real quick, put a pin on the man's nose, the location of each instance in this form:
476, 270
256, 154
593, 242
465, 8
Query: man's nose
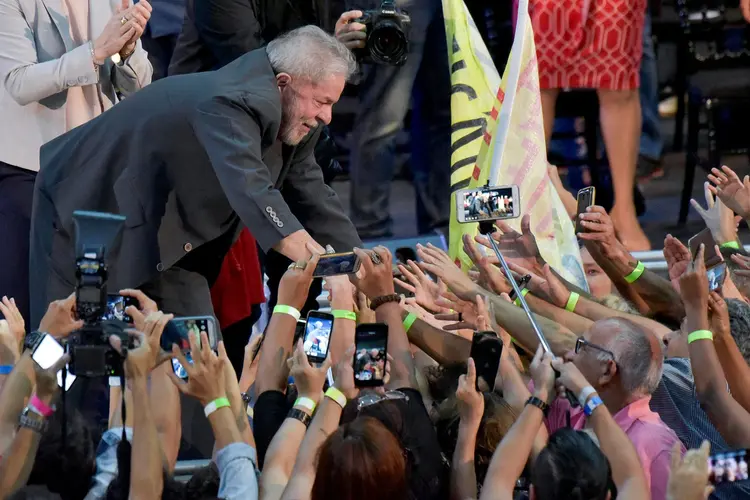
325, 115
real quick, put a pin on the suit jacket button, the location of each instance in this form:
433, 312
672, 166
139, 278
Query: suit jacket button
160, 267
269, 210
280, 224
188, 247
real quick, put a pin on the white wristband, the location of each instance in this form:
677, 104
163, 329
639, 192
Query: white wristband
584, 395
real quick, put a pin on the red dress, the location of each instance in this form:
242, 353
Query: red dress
594, 44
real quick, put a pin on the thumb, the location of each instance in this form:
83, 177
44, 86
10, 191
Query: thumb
557, 363
471, 373
526, 224
124, 5
746, 182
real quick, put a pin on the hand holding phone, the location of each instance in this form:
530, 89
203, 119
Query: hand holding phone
370, 354
179, 330
716, 268
586, 198
317, 339
47, 354
486, 349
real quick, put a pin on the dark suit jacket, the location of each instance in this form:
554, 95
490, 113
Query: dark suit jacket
216, 32
182, 159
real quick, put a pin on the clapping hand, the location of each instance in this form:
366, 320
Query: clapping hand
735, 193
12, 329
137, 17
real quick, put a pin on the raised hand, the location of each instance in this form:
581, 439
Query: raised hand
426, 292
466, 315
349, 32
470, 401
718, 218
694, 283
438, 263
377, 267
137, 16
743, 262
60, 318
678, 258
488, 272
689, 477
12, 329
148, 354
295, 284
735, 193
542, 374
601, 231
309, 379
521, 247
46, 380
206, 380
718, 315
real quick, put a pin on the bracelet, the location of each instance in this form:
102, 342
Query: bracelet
337, 396
384, 299
535, 401
730, 244
215, 405
291, 311
6, 369
307, 403
38, 406
700, 335
633, 276
572, 301
592, 405
518, 301
343, 314
409, 321
299, 415
583, 396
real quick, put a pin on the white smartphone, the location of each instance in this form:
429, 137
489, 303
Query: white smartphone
47, 353
488, 204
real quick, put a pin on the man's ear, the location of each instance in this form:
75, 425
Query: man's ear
283, 80
610, 369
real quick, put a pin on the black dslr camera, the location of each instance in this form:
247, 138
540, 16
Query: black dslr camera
387, 35
91, 355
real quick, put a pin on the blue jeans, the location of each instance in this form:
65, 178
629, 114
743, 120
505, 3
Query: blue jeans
651, 140
385, 94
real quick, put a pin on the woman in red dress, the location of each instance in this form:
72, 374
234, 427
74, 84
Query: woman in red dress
596, 44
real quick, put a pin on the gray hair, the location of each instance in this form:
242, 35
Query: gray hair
311, 53
639, 366
739, 324
618, 304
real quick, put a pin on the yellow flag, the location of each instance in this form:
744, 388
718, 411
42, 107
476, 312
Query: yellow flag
513, 151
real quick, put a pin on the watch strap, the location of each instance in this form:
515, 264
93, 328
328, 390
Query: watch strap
542, 405
29, 422
300, 415
32, 340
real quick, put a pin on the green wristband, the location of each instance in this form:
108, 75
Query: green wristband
518, 301
409, 320
289, 310
344, 314
632, 277
700, 335
730, 244
572, 302
215, 405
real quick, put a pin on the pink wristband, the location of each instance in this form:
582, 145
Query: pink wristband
45, 410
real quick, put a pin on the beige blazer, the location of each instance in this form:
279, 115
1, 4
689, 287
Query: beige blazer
38, 63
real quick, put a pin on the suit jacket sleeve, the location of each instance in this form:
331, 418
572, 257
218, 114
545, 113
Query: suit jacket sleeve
228, 28
26, 79
315, 204
231, 130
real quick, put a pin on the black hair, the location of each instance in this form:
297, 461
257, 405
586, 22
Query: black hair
36, 492
204, 483
66, 471
571, 467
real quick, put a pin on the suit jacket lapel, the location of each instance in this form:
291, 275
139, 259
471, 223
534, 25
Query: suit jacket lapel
56, 11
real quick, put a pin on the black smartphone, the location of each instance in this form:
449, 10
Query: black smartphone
586, 198
336, 263
486, 348
299, 330
317, 336
371, 351
115, 309
522, 283
716, 268
728, 467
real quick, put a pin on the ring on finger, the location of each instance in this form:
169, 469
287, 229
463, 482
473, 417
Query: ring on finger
375, 258
123, 20
460, 317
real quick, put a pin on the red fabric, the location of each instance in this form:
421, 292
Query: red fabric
594, 44
240, 282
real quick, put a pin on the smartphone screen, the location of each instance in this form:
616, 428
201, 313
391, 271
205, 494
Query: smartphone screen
521, 286
371, 350
317, 336
710, 256
178, 331
716, 276
586, 198
486, 348
728, 467
487, 204
336, 264
47, 354
115, 309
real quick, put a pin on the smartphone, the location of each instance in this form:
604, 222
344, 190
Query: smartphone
586, 198
728, 467
178, 331
522, 283
711, 257
487, 204
486, 348
47, 353
299, 330
317, 336
370, 354
115, 309
716, 276
335, 264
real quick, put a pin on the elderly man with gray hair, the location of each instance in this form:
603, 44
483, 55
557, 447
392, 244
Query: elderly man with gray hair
190, 161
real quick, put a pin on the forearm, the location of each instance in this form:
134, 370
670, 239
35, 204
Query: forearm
280, 458
18, 461
514, 320
511, 454
402, 366
166, 411
444, 347
237, 405
463, 474
595, 312
736, 369
273, 371
16, 391
224, 427
134, 73
342, 336
146, 478
627, 292
572, 321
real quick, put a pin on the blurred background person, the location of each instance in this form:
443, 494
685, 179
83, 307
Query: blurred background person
61, 64
161, 34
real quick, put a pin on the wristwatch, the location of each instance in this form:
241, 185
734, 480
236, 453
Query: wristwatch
32, 420
32, 340
245, 398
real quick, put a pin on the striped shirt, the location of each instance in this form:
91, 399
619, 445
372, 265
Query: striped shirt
677, 404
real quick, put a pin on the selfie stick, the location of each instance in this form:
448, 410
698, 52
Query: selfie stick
487, 228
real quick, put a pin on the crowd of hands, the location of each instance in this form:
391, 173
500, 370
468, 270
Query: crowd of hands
450, 306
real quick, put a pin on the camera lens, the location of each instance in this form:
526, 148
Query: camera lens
388, 42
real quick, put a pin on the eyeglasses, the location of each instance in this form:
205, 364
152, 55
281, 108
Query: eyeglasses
371, 398
582, 342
